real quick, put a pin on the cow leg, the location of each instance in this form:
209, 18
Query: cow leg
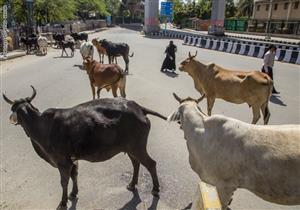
93, 90
98, 92
65, 171
126, 60
109, 59
266, 113
256, 114
114, 89
210, 104
225, 194
74, 175
150, 164
136, 168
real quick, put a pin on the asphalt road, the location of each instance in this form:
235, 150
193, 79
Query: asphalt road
28, 182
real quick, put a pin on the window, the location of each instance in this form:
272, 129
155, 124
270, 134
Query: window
267, 7
275, 6
257, 7
286, 5
296, 5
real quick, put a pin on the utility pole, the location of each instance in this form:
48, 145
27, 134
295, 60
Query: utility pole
4, 31
269, 20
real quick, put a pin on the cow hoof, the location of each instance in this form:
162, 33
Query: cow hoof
131, 187
73, 197
155, 193
61, 207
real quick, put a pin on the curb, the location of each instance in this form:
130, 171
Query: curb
12, 56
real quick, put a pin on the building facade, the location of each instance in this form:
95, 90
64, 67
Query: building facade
276, 16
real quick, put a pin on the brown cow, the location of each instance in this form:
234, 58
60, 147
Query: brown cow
253, 88
105, 76
101, 51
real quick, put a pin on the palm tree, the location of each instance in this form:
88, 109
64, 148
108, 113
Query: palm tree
245, 7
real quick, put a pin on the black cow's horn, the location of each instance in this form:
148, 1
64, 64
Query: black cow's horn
196, 53
7, 99
190, 55
200, 99
177, 97
33, 94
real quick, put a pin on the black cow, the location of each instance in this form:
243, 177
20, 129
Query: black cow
67, 44
114, 50
58, 37
80, 36
30, 42
93, 131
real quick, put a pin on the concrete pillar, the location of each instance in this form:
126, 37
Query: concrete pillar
217, 18
151, 16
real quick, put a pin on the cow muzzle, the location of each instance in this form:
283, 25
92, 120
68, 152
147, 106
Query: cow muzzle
13, 119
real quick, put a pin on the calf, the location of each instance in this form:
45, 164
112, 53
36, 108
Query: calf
80, 36
87, 50
231, 154
67, 44
93, 131
105, 76
43, 44
114, 50
29, 42
58, 38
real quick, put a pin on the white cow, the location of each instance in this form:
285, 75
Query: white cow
43, 44
87, 50
231, 154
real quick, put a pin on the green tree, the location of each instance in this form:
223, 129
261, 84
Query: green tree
245, 8
112, 6
203, 9
47, 11
230, 9
86, 7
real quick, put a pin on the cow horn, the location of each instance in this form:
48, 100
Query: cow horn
190, 55
33, 94
201, 98
177, 97
7, 99
196, 53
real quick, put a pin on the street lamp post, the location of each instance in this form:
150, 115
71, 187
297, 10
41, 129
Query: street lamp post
269, 20
29, 11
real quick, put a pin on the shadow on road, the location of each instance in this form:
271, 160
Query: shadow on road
170, 73
79, 66
74, 204
133, 203
276, 100
188, 206
63, 56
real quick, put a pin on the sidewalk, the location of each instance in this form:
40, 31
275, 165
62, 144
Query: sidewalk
12, 55
20, 53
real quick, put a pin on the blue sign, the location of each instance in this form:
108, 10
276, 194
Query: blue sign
166, 9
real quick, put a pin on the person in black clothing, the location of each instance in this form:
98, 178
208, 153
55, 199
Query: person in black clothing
169, 62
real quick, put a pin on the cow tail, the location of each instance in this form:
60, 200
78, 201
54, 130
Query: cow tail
148, 111
131, 55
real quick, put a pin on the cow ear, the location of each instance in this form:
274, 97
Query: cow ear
174, 117
177, 97
201, 98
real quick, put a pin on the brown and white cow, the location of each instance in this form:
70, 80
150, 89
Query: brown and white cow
105, 76
253, 88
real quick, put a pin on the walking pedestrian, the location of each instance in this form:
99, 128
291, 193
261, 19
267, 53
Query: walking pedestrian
268, 64
170, 61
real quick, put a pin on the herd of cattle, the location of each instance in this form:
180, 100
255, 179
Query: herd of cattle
224, 152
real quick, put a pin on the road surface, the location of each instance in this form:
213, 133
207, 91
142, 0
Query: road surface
28, 182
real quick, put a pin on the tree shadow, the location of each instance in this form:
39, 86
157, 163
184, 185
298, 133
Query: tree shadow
63, 56
276, 100
133, 203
